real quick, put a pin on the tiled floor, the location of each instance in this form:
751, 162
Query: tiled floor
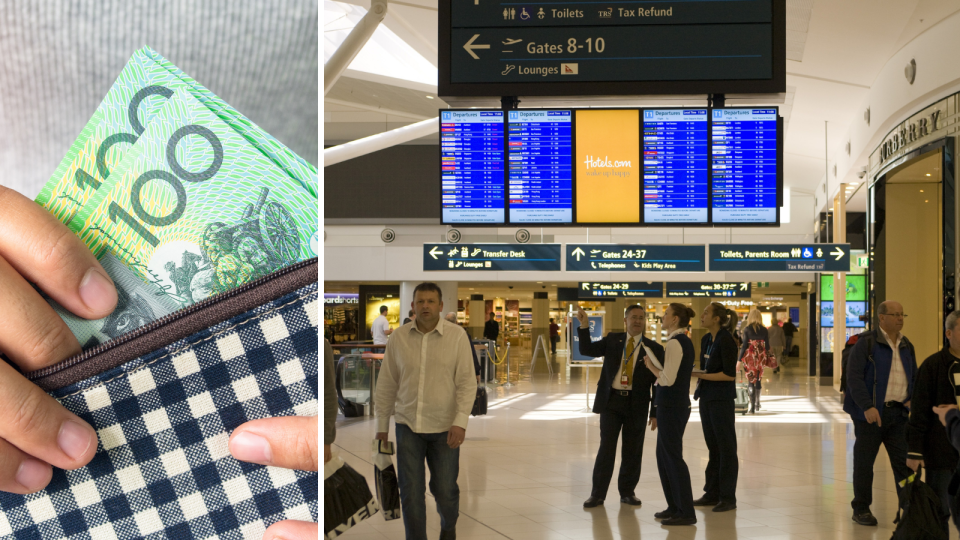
525, 470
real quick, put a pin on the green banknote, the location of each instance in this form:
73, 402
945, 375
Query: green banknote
138, 93
142, 88
196, 210
138, 303
294, 165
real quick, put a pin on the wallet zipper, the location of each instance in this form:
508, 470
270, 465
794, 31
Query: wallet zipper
244, 298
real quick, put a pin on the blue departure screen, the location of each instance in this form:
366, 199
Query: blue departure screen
471, 166
744, 165
540, 166
675, 174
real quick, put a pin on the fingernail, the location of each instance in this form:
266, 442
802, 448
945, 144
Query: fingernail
74, 439
97, 292
32, 474
249, 447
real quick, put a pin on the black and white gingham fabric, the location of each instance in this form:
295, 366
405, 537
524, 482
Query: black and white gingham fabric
163, 468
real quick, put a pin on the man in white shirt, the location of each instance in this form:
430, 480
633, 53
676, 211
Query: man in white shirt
381, 328
427, 382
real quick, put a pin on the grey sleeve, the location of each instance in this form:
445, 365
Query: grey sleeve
329, 395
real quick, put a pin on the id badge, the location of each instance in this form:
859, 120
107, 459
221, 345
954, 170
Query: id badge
623, 379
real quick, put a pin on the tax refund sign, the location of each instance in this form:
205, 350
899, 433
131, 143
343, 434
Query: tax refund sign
492, 257
780, 257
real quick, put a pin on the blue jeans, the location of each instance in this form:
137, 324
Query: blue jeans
444, 464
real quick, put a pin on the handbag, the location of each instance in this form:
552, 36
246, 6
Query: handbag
164, 399
385, 479
480, 403
770, 361
346, 498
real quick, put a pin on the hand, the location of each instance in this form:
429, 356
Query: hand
942, 411
288, 442
695, 374
455, 436
582, 317
478, 378
381, 435
653, 424
739, 366
327, 454
907, 404
873, 416
647, 362
914, 463
37, 432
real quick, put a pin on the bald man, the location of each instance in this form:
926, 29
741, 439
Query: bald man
880, 376
452, 317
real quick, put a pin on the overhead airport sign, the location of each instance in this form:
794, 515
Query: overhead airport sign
633, 258
589, 290
780, 257
492, 257
585, 48
709, 289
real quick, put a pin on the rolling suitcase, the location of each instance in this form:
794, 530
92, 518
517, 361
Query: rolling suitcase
742, 401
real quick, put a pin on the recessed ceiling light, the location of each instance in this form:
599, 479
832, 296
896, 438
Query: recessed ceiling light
921, 191
429, 97
928, 174
926, 201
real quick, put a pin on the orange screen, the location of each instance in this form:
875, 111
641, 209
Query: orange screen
609, 166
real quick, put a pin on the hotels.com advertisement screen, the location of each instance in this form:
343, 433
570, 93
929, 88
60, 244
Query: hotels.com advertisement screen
609, 166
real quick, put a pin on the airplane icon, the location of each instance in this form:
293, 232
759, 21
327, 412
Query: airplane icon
509, 41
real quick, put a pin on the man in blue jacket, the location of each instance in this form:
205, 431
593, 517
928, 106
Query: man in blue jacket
880, 374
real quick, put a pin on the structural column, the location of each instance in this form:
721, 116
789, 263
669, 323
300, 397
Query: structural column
541, 327
839, 289
613, 315
478, 317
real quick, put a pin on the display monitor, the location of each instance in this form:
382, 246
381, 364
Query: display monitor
675, 183
745, 168
539, 166
854, 310
856, 287
609, 168
471, 167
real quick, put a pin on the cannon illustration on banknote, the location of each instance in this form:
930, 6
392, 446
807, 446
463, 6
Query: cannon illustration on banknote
265, 239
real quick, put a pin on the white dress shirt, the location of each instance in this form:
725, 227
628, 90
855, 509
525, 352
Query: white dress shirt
637, 347
380, 327
426, 380
897, 384
672, 358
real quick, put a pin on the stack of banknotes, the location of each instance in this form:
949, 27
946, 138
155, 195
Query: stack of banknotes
179, 196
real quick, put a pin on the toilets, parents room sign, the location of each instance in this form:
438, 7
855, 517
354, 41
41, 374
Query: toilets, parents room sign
492, 257
562, 47
779, 257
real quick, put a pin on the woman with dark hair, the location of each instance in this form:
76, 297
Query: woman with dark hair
753, 351
717, 391
673, 412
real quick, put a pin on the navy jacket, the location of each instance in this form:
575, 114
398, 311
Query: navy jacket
611, 348
934, 385
721, 358
867, 380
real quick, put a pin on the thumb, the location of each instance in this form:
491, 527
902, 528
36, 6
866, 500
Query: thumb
290, 442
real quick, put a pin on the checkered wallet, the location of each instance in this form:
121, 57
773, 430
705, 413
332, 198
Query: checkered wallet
164, 400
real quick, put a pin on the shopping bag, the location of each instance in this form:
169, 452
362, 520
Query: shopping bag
385, 478
480, 403
770, 361
346, 498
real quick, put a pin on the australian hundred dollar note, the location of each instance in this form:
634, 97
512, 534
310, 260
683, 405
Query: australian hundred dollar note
197, 210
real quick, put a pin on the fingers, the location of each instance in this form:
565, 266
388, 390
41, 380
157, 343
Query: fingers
20, 473
32, 335
36, 424
47, 253
289, 442
292, 530
382, 436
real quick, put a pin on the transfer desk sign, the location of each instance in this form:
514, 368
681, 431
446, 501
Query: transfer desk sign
492, 257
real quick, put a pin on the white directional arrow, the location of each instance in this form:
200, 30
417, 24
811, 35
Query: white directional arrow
434, 252
743, 286
586, 286
469, 47
578, 253
838, 253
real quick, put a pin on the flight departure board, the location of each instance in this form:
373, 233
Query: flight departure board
675, 173
539, 166
471, 166
745, 168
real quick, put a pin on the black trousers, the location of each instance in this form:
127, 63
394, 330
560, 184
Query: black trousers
939, 480
674, 475
719, 429
618, 417
892, 434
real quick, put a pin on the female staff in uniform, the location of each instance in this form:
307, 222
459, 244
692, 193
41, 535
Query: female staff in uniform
673, 412
717, 391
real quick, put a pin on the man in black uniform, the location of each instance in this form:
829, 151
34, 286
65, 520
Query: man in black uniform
622, 401
491, 329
